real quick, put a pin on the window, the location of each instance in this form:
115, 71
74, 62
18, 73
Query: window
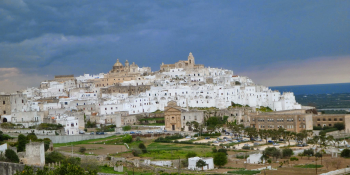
3, 102
329, 119
318, 119
330, 124
324, 119
4, 112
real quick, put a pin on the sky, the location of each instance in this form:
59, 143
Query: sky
276, 43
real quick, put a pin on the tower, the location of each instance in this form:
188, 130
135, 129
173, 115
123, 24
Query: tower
190, 60
127, 68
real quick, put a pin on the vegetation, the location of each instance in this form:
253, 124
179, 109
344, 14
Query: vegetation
54, 156
345, 153
220, 159
82, 150
7, 125
4, 137
143, 148
22, 141
308, 166
126, 128
127, 138
90, 124
293, 159
200, 163
244, 172
287, 152
84, 141
11, 156
65, 169
49, 126
169, 139
264, 109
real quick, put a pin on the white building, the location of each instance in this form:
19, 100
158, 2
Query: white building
208, 160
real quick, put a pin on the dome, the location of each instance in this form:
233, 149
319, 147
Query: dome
118, 63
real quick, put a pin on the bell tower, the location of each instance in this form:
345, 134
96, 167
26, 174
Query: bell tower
190, 60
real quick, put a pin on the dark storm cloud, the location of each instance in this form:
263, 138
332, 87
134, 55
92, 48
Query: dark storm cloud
75, 37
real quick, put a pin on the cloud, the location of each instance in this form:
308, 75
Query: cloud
322, 70
12, 80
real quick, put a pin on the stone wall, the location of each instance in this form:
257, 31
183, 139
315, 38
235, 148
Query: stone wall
72, 138
7, 168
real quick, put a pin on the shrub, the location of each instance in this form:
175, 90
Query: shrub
293, 159
339, 126
246, 147
215, 150
136, 152
82, 150
11, 156
287, 152
143, 148
126, 128
138, 139
223, 150
345, 153
127, 138
54, 156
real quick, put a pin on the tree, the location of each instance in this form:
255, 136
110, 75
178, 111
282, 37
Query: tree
191, 154
263, 134
339, 126
127, 138
200, 163
287, 152
301, 155
143, 148
251, 132
32, 137
309, 152
220, 159
11, 156
22, 141
223, 150
345, 153
318, 154
82, 150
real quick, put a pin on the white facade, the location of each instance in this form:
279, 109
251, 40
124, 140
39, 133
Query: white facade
193, 160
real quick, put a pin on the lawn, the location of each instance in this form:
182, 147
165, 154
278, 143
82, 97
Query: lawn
308, 166
83, 141
174, 151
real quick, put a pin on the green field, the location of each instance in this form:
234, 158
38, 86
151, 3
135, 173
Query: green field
308, 166
83, 141
174, 151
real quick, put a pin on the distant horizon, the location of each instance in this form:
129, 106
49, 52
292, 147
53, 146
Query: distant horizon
310, 84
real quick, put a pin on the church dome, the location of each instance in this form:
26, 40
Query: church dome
118, 63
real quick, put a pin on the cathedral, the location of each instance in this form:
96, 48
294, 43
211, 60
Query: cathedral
189, 64
119, 68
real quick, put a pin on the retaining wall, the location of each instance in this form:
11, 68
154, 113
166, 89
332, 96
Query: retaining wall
7, 168
71, 138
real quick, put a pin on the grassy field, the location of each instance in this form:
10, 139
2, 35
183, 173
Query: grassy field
84, 141
174, 151
308, 166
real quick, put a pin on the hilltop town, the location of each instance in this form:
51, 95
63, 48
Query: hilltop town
181, 102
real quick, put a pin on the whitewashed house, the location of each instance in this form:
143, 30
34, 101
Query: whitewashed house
208, 160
